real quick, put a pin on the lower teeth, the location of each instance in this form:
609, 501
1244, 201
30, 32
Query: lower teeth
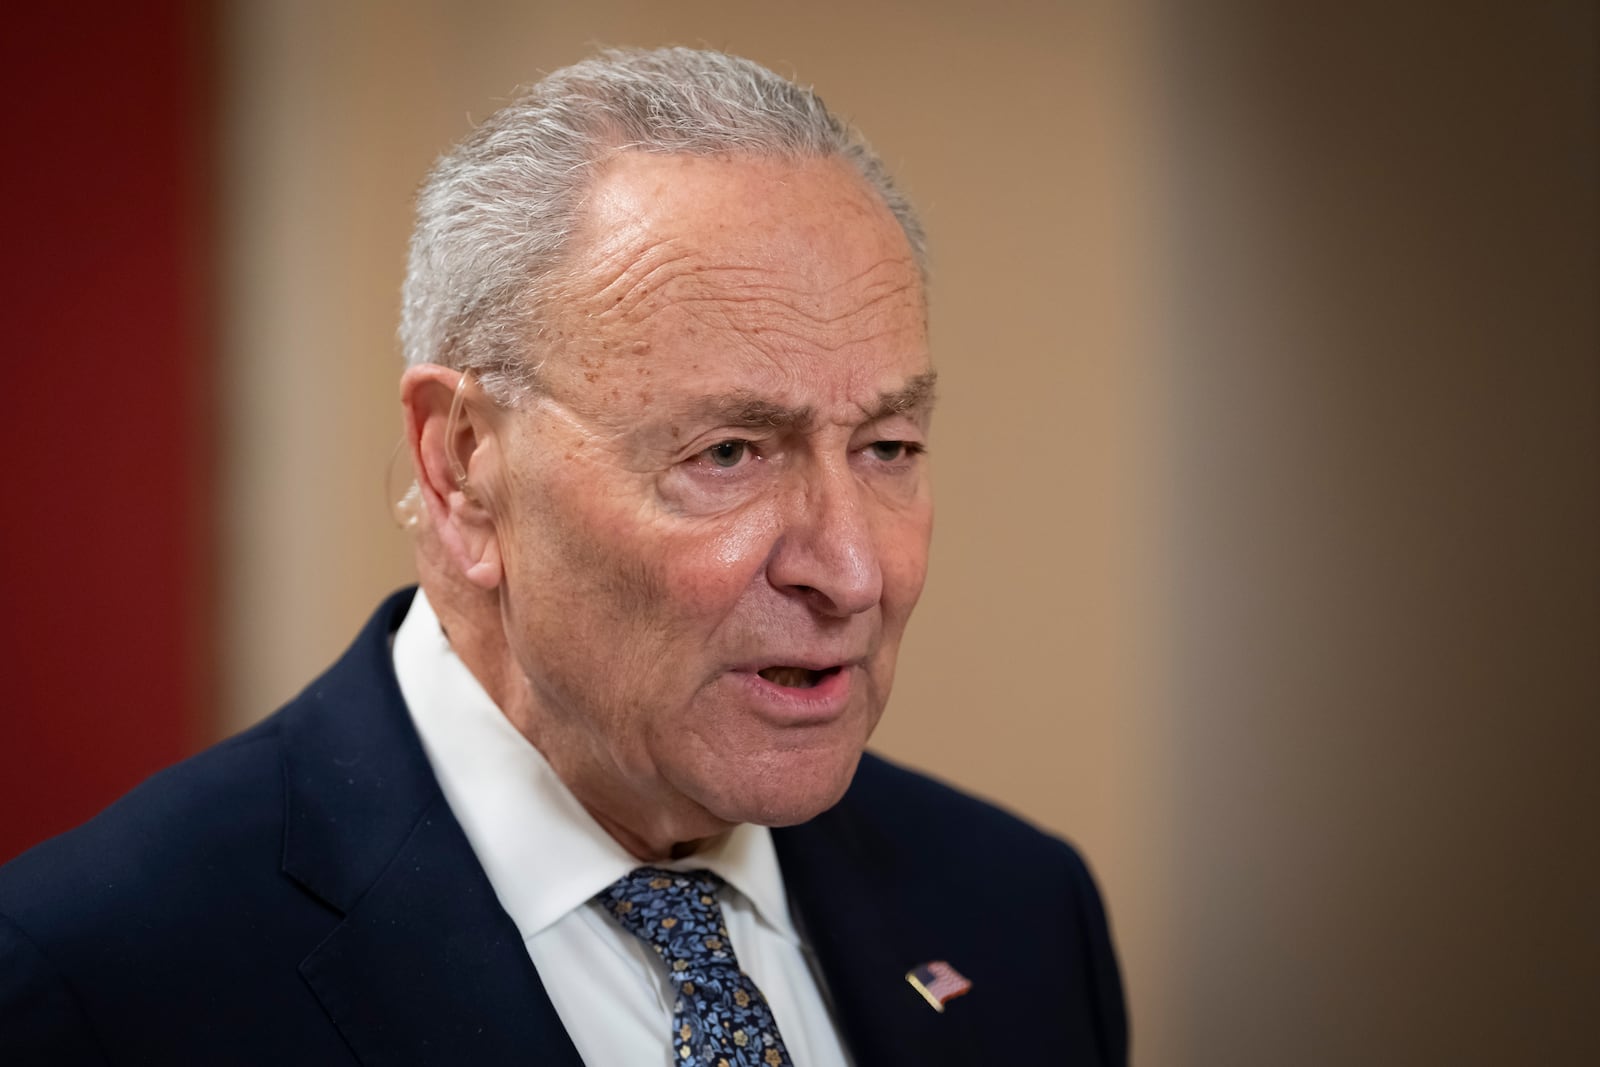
791, 677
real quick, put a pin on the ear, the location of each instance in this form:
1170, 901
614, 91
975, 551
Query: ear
451, 463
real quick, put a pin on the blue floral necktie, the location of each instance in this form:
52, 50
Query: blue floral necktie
720, 1018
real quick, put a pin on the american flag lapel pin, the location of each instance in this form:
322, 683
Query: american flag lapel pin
938, 982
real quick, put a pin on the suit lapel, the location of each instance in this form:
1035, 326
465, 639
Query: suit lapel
845, 887
425, 967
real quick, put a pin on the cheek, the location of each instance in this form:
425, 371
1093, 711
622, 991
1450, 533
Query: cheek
711, 565
903, 555
571, 553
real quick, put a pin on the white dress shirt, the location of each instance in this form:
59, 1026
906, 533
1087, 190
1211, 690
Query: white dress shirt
546, 858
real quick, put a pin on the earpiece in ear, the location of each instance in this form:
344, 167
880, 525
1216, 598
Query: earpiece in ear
456, 403
405, 505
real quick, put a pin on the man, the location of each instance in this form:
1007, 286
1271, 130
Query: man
596, 793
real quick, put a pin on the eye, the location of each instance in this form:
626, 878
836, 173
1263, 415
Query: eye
727, 454
890, 451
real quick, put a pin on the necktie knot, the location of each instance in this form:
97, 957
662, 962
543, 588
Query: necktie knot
677, 914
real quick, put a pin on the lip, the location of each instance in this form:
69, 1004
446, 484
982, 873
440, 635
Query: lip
786, 706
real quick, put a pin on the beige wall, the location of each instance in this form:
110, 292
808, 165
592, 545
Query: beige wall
1385, 355
1264, 566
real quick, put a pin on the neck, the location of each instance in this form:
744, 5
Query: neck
647, 851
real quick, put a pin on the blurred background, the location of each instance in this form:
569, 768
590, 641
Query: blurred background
1267, 566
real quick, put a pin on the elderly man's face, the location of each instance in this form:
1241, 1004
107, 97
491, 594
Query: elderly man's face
715, 518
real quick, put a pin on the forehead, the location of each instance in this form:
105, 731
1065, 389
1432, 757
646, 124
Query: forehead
728, 271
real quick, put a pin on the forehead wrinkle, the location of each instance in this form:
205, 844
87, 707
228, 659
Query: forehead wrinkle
757, 326
752, 290
780, 347
642, 273
856, 295
899, 278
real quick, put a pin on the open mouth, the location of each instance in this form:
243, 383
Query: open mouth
795, 677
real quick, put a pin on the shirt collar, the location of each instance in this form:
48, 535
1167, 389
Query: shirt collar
543, 852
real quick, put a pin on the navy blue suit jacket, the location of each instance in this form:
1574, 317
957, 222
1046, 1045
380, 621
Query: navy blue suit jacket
302, 894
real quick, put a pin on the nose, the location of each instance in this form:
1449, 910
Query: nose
827, 554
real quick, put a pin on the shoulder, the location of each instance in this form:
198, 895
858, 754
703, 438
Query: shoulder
927, 844
223, 789
219, 815
187, 814
973, 883
920, 816
95, 922
180, 892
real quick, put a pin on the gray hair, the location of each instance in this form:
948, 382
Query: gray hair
496, 214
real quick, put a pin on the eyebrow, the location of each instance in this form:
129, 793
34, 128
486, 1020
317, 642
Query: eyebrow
917, 393
743, 409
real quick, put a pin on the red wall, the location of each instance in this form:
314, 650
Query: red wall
105, 545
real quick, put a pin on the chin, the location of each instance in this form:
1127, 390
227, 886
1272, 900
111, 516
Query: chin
784, 789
